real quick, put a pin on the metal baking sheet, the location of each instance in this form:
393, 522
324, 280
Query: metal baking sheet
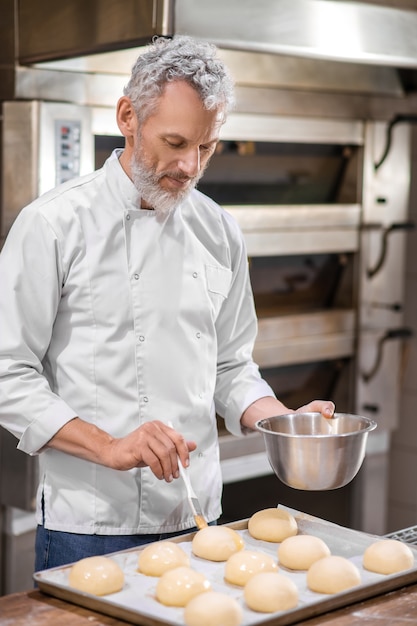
137, 603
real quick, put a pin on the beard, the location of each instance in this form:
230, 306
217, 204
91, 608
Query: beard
147, 182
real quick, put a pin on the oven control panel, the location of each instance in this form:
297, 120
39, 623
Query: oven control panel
67, 149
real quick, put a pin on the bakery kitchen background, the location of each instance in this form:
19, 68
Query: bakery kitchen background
317, 164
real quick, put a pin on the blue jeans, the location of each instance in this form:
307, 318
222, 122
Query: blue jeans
54, 548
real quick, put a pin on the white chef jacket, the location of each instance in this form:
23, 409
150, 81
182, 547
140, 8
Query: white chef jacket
116, 315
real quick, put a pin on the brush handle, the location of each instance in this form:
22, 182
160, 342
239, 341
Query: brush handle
184, 475
192, 497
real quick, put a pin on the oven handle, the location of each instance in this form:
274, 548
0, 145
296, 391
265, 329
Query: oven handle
393, 333
384, 243
401, 117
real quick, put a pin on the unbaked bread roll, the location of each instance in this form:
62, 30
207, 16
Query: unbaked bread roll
388, 556
98, 575
213, 608
178, 586
244, 564
216, 543
332, 574
157, 558
273, 525
301, 551
268, 592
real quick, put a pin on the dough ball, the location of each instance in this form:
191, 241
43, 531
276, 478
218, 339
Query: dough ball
178, 586
332, 574
301, 551
273, 525
157, 558
388, 556
216, 543
213, 608
244, 564
98, 575
268, 592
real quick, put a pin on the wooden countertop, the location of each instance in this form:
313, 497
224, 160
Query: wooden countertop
38, 609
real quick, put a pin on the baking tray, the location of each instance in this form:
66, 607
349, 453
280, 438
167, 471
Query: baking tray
136, 602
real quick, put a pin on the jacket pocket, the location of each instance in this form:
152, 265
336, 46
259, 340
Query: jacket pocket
219, 280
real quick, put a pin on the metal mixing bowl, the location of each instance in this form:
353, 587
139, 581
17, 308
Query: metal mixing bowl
309, 452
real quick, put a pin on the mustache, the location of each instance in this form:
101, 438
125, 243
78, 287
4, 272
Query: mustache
176, 175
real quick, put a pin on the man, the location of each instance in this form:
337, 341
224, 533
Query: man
126, 306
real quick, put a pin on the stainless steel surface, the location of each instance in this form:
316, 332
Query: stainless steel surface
47, 30
18, 482
259, 69
343, 31
290, 46
311, 453
296, 218
322, 104
18, 543
18, 474
242, 458
314, 229
263, 84
29, 151
254, 127
385, 202
270, 70
332, 30
292, 129
305, 337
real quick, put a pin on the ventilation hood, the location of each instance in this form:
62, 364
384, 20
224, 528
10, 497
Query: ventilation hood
331, 46
323, 29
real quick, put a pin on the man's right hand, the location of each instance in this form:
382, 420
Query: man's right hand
153, 444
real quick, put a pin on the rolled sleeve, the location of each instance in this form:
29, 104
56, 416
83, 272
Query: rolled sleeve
39, 432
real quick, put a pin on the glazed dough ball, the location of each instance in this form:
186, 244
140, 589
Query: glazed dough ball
178, 586
301, 551
332, 574
273, 525
268, 592
157, 558
388, 556
244, 564
216, 543
212, 609
99, 575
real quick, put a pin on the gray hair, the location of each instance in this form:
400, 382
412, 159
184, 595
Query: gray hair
182, 58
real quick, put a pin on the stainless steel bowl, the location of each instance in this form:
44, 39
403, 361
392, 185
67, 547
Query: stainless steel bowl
309, 452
